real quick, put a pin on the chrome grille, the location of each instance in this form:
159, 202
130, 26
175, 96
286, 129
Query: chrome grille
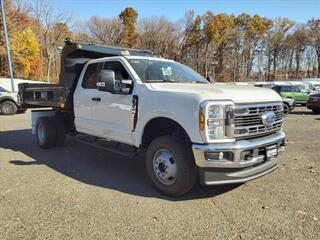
248, 122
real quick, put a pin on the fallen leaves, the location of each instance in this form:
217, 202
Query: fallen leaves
212, 203
301, 212
156, 217
311, 170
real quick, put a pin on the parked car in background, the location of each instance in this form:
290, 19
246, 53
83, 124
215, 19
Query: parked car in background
297, 92
314, 103
288, 103
8, 103
313, 86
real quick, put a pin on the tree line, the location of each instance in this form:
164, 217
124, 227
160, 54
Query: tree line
225, 47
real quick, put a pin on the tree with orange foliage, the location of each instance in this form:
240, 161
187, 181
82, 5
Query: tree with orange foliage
128, 35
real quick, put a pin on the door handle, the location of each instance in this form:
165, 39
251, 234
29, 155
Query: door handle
96, 99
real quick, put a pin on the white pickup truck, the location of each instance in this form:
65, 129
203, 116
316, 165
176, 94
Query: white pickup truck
8, 103
188, 128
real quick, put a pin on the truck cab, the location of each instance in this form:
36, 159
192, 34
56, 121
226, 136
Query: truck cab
187, 128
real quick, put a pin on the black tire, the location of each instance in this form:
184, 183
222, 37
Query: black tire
46, 132
316, 111
21, 110
8, 108
61, 131
286, 109
186, 170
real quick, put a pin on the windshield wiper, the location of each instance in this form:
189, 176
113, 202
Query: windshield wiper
173, 81
157, 81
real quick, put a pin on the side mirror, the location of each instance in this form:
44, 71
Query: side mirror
106, 81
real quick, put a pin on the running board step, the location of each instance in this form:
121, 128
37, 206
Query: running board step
110, 146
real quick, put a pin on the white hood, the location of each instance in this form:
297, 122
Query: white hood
235, 93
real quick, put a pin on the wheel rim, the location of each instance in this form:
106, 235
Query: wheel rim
7, 108
165, 167
41, 133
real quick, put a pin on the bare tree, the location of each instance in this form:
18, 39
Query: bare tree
275, 42
104, 30
314, 25
159, 35
301, 40
52, 29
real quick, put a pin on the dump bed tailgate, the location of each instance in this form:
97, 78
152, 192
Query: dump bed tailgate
37, 95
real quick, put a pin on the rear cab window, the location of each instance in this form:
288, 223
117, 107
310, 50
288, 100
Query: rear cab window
91, 75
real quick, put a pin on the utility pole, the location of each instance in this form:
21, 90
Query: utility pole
7, 44
259, 64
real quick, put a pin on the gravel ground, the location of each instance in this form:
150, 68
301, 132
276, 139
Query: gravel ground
79, 192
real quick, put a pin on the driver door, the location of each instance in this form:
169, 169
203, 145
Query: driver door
111, 112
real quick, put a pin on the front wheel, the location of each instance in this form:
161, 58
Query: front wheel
170, 165
8, 108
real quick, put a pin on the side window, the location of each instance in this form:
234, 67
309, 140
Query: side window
296, 89
91, 75
286, 89
119, 71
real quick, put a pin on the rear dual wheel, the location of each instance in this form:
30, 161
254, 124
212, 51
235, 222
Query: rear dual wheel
50, 132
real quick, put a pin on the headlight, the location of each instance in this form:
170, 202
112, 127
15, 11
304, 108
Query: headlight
212, 120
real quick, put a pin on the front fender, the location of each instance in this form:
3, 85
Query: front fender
8, 98
185, 113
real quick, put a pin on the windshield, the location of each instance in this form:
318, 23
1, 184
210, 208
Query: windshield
164, 71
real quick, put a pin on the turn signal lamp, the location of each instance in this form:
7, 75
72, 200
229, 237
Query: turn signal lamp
62, 105
201, 120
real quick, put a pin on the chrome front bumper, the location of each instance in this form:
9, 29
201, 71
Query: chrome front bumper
249, 159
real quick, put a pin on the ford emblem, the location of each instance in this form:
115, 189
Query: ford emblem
268, 118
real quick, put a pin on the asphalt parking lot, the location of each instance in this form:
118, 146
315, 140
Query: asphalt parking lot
79, 192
